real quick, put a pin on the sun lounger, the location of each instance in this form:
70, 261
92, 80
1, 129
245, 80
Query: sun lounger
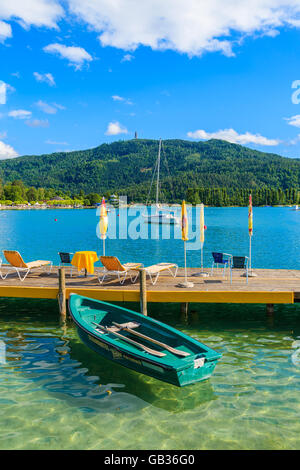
3, 276
154, 271
16, 262
113, 266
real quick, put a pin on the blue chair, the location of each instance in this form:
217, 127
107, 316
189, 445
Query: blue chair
222, 259
65, 258
239, 262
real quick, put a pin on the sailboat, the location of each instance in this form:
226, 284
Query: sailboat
159, 217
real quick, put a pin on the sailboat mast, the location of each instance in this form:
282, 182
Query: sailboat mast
158, 167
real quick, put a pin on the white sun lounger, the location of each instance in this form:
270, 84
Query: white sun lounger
2, 275
154, 271
113, 266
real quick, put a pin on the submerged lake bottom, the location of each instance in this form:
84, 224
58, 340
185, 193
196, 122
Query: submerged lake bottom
55, 393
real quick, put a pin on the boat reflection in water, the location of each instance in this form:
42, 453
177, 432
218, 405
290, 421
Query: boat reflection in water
138, 388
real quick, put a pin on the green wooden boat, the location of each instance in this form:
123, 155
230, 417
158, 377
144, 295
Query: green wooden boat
141, 343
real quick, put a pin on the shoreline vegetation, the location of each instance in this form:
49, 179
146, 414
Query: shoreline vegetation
45, 206
16, 195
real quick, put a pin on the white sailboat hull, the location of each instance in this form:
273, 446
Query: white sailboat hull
161, 219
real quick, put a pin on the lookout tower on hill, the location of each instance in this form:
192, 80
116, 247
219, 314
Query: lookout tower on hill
135, 135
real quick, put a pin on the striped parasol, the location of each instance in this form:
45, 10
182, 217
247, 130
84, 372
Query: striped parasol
202, 238
250, 230
250, 217
103, 223
184, 223
184, 236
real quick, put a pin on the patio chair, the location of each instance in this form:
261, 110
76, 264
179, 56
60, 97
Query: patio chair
222, 259
112, 266
154, 271
239, 262
65, 258
16, 261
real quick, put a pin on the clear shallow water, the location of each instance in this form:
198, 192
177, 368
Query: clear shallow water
55, 393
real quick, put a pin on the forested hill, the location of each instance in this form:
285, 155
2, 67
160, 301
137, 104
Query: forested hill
127, 167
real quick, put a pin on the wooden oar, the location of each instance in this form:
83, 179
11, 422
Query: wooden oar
152, 340
135, 343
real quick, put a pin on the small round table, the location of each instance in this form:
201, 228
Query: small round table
85, 260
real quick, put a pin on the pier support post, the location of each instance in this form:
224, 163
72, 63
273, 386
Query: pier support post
184, 308
143, 291
62, 300
270, 309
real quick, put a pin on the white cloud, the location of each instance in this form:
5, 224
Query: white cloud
232, 136
59, 106
45, 107
121, 98
38, 123
294, 120
294, 141
77, 56
4, 89
44, 77
2, 92
115, 128
118, 98
20, 114
5, 31
32, 12
127, 58
192, 26
53, 142
6, 151
49, 108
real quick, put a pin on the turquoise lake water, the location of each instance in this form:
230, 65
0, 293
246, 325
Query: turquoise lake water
57, 394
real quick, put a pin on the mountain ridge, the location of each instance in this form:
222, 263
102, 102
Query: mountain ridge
127, 166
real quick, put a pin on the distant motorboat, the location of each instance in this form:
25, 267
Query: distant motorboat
296, 208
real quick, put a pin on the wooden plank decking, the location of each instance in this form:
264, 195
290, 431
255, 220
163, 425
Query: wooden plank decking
271, 286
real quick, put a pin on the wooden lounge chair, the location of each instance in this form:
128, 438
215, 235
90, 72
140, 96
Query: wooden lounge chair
112, 265
154, 271
16, 262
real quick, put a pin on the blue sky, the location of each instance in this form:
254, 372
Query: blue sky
76, 74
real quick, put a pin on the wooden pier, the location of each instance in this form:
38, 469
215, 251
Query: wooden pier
270, 286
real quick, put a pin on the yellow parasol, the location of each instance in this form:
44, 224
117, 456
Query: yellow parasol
184, 236
250, 230
184, 222
202, 226
202, 237
250, 217
103, 223
250, 226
